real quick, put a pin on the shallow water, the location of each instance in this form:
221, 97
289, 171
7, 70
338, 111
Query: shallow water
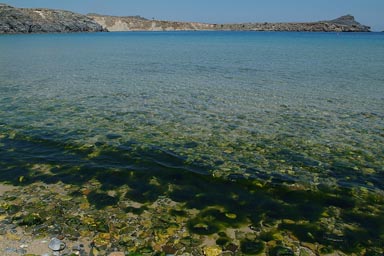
251, 113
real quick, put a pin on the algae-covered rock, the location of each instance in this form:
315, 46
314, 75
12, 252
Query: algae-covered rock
102, 239
249, 247
212, 251
31, 219
230, 215
281, 251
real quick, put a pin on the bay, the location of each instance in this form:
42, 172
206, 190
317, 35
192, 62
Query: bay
237, 111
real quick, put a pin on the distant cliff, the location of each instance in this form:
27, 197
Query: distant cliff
137, 23
134, 23
22, 20
25, 20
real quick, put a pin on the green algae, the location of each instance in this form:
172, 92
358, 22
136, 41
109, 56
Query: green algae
326, 250
12, 208
222, 241
31, 220
266, 236
249, 247
249, 198
203, 227
135, 210
309, 232
101, 200
281, 251
373, 253
180, 213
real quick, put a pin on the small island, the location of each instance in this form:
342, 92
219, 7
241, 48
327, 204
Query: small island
40, 20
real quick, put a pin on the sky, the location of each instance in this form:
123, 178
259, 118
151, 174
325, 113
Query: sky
367, 12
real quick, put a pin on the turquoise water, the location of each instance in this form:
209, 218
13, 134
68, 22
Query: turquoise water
279, 110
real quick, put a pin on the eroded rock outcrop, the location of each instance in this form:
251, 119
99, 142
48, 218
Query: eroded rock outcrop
25, 20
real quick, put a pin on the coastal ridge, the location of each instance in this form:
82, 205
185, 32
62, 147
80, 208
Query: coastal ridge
40, 20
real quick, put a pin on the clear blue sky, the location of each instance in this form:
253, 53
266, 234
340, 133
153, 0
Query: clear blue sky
367, 12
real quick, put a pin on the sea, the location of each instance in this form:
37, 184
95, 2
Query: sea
263, 127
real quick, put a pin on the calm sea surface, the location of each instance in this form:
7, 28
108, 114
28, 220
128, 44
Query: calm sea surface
202, 111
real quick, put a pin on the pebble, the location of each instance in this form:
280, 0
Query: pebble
21, 251
14, 250
306, 252
116, 254
56, 244
94, 252
78, 247
212, 251
10, 250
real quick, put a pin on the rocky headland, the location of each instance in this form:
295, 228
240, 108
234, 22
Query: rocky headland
27, 20
345, 23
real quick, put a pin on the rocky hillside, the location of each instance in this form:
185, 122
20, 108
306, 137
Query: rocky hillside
345, 23
22, 20
137, 23
134, 23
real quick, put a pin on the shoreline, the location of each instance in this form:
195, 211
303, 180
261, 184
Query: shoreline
34, 214
192, 31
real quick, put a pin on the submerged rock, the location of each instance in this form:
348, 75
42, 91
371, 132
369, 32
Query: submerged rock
249, 247
281, 251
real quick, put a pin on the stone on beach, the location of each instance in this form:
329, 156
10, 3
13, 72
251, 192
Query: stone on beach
56, 244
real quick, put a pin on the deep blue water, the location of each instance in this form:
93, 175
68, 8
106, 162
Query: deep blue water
268, 126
